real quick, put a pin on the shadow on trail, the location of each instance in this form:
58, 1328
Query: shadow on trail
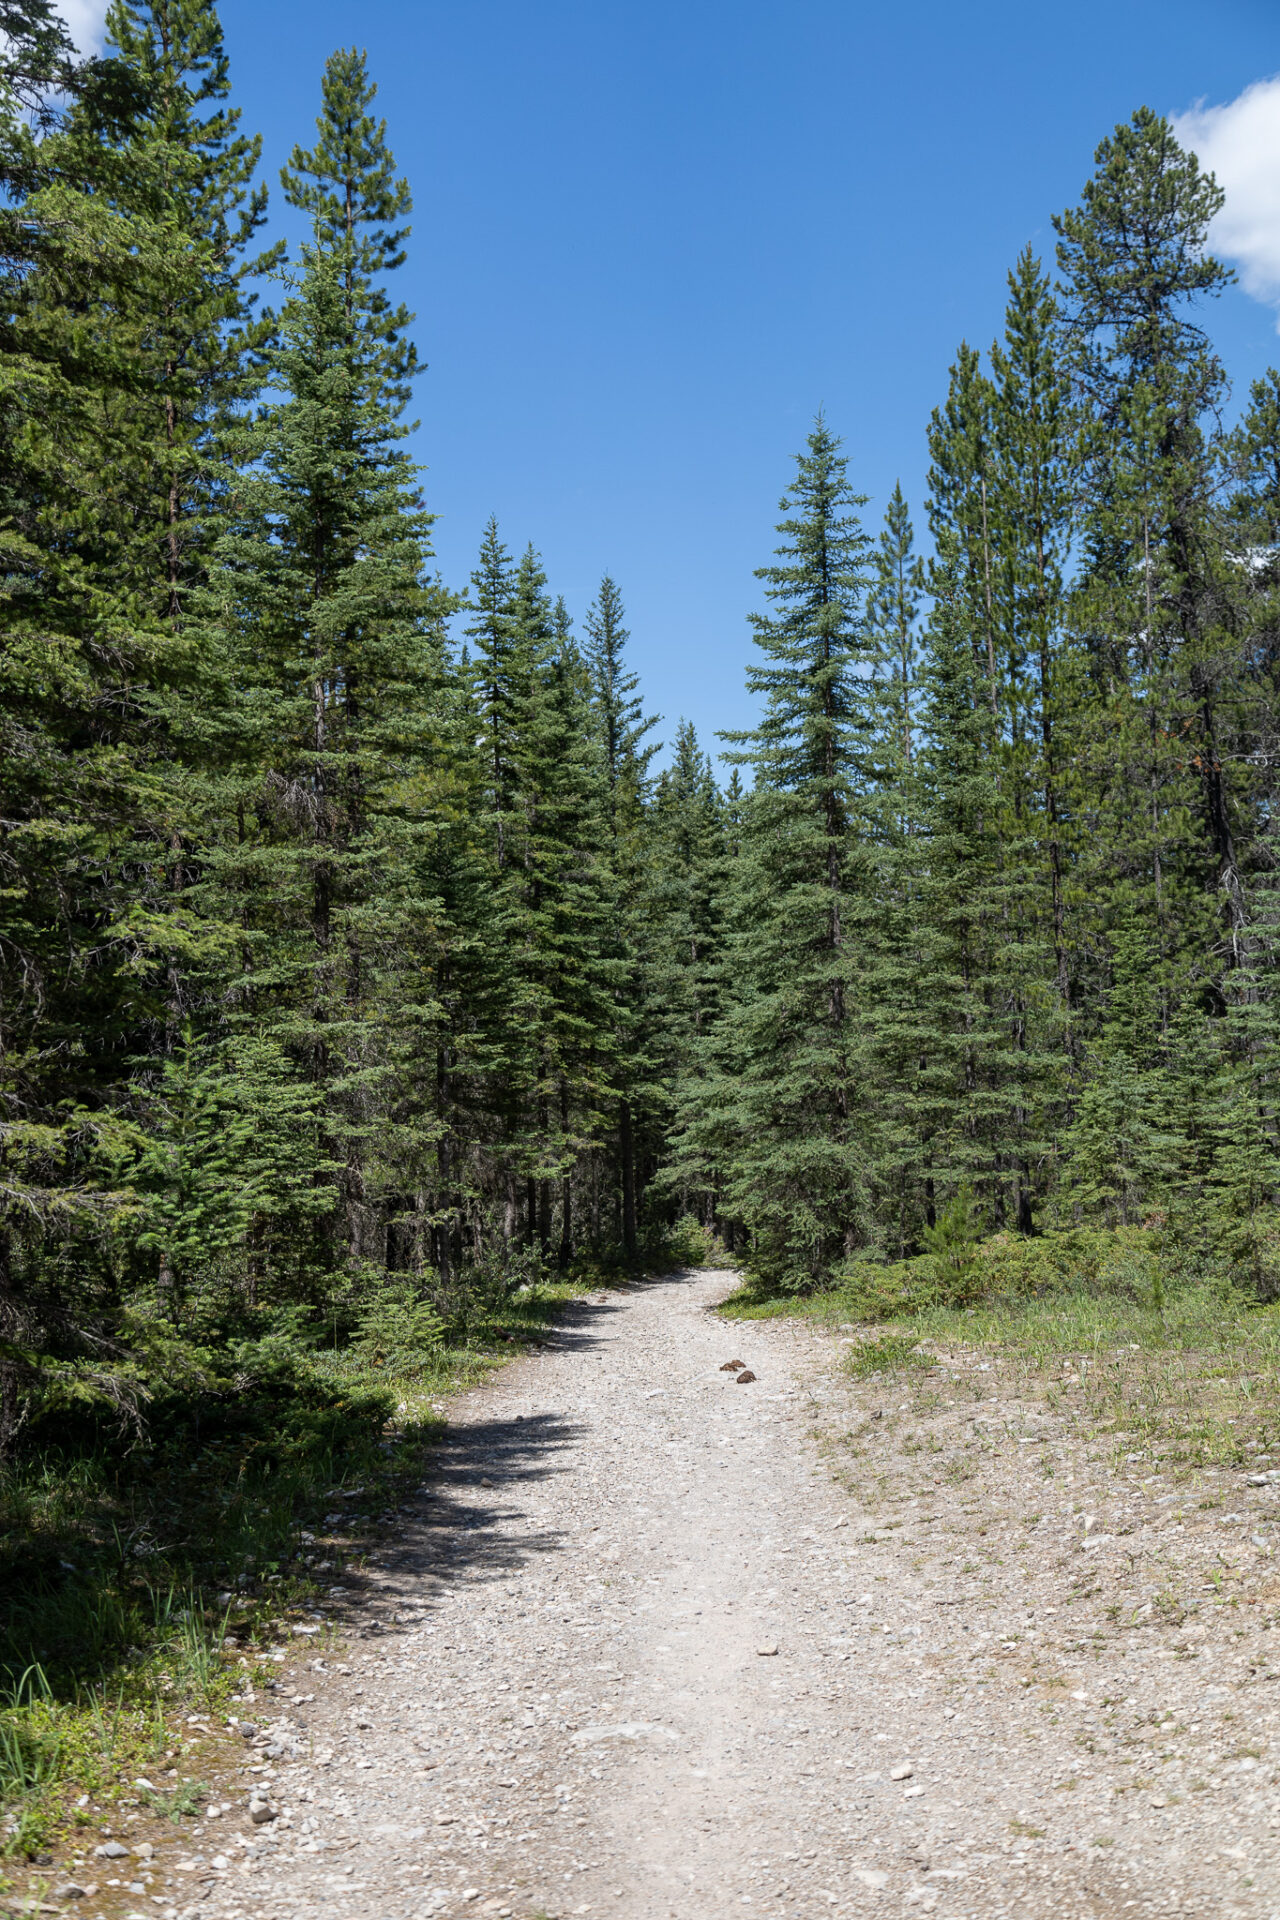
457, 1535
450, 1535
454, 1536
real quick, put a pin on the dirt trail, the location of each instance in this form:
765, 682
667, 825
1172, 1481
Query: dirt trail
651, 1658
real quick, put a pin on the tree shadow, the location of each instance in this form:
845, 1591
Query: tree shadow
450, 1534
453, 1532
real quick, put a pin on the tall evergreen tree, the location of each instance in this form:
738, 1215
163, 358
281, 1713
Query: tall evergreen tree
1134, 266
347, 183
895, 609
790, 1086
687, 897
501, 678
126, 330
1035, 447
626, 757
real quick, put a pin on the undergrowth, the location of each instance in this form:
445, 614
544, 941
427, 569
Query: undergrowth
889, 1353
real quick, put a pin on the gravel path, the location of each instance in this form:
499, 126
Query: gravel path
659, 1644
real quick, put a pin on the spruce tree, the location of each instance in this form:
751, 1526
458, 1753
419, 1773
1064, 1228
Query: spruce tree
622, 727
789, 1088
179, 161
571, 968
1134, 271
687, 887
125, 336
989, 878
501, 679
895, 607
1035, 438
347, 183
896, 995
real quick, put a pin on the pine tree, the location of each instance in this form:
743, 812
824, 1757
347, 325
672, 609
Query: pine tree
965, 1086
48, 678
347, 183
989, 879
789, 1088
1035, 446
895, 608
501, 678
179, 162
895, 1016
626, 755
1122, 1149
1252, 736
571, 968
125, 340
1148, 609
972, 784
622, 719
687, 886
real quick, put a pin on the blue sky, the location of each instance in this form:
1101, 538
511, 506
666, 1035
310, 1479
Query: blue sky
652, 239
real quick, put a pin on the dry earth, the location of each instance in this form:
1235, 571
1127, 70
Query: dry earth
655, 1643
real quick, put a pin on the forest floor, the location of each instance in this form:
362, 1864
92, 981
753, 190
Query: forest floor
653, 1641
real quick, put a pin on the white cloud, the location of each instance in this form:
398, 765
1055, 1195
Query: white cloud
84, 20
1240, 144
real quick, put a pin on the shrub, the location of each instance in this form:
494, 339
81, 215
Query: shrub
690, 1243
1130, 1263
889, 1354
397, 1330
951, 1246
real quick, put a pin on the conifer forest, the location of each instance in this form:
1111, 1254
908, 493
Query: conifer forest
372, 963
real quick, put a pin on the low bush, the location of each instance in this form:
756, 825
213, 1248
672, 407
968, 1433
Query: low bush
889, 1354
1129, 1263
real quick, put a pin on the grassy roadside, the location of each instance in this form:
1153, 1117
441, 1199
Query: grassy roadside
1169, 1367
142, 1580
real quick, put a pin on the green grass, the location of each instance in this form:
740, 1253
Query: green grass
889, 1353
1082, 1323
1193, 1384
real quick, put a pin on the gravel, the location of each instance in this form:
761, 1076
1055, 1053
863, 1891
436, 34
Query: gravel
976, 1701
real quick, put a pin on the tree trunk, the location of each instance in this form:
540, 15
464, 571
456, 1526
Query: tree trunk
626, 1150
566, 1185
444, 1165
11, 1409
